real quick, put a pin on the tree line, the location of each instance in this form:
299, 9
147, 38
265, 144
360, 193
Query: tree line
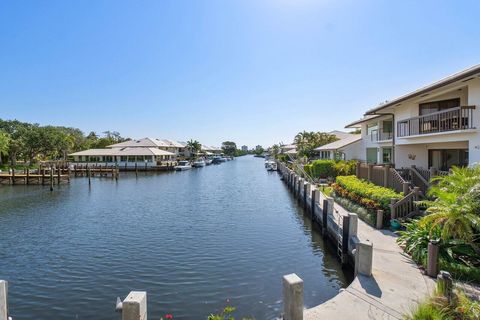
30, 142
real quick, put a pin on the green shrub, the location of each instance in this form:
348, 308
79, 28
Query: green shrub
366, 193
322, 169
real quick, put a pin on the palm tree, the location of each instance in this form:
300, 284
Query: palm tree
4, 144
456, 208
194, 146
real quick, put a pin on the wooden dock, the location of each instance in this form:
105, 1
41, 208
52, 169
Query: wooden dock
37, 177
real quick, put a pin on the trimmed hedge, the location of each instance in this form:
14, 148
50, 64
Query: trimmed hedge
330, 168
365, 193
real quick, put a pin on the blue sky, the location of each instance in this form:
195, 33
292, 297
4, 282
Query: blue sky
251, 71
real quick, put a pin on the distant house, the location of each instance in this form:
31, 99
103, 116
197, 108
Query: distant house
347, 148
245, 148
125, 156
288, 149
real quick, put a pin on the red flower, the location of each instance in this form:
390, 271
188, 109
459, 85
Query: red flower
168, 316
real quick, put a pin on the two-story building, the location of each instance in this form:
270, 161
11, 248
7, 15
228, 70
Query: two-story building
434, 126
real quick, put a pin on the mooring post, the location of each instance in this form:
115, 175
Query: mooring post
292, 297
324, 217
3, 300
305, 191
379, 224
352, 230
59, 175
345, 238
13, 175
51, 178
364, 258
432, 258
445, 285
28, 176
134, 307
314, 201
89, 174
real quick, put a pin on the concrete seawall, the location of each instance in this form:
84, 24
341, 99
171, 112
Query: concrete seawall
387, 283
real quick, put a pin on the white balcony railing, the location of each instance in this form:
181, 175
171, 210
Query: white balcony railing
379, 135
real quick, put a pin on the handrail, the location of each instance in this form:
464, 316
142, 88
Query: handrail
439, 112
458, 118
419, 175
405, 207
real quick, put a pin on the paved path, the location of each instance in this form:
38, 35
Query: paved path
395, 287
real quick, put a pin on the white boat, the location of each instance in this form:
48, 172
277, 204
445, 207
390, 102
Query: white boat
208, 161
199, 163
272, 166
268, 163
183, 165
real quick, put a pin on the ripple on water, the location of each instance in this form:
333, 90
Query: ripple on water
192, 240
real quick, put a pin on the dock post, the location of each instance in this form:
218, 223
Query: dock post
364, 258
305, 190
136, 171
345, 238
13, 175
324, 217
134, 307
379, 224
432, 258
51, 178
292, 297
59, 175
43, 176
314, 202
27, 181
89, 174
3, 300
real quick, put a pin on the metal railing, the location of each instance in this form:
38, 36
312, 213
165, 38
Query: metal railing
459, 118
379, 135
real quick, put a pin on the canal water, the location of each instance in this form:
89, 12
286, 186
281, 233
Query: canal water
195, 241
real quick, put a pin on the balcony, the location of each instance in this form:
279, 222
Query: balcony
379, 135
459, 118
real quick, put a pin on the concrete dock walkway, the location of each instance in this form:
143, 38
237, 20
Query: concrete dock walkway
394, 289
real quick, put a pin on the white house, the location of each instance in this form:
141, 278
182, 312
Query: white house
348, 148
124, 157
434, 126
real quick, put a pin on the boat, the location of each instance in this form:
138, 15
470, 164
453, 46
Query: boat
271, 166
183, 165
208, 162
199, 163
217, 160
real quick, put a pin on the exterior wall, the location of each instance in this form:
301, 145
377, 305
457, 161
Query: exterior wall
405, 153
354, 151
469, 95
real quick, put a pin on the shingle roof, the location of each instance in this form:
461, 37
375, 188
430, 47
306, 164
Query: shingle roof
145, 142
340, 143
137, 151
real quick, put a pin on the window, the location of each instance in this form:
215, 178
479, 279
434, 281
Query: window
140, 158
108, 159
387, 126
372, 128
444, 159
386, 155
372, 155
324, 154
148, 158
434, 106
123, 158
131, 158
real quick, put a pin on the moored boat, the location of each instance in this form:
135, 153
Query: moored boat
183, 165
199, 163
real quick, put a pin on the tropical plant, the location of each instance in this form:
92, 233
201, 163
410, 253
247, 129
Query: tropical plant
366, 192
194, 146
456, 208
307, 142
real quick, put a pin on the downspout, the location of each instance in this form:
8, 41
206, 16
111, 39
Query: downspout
393, 131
